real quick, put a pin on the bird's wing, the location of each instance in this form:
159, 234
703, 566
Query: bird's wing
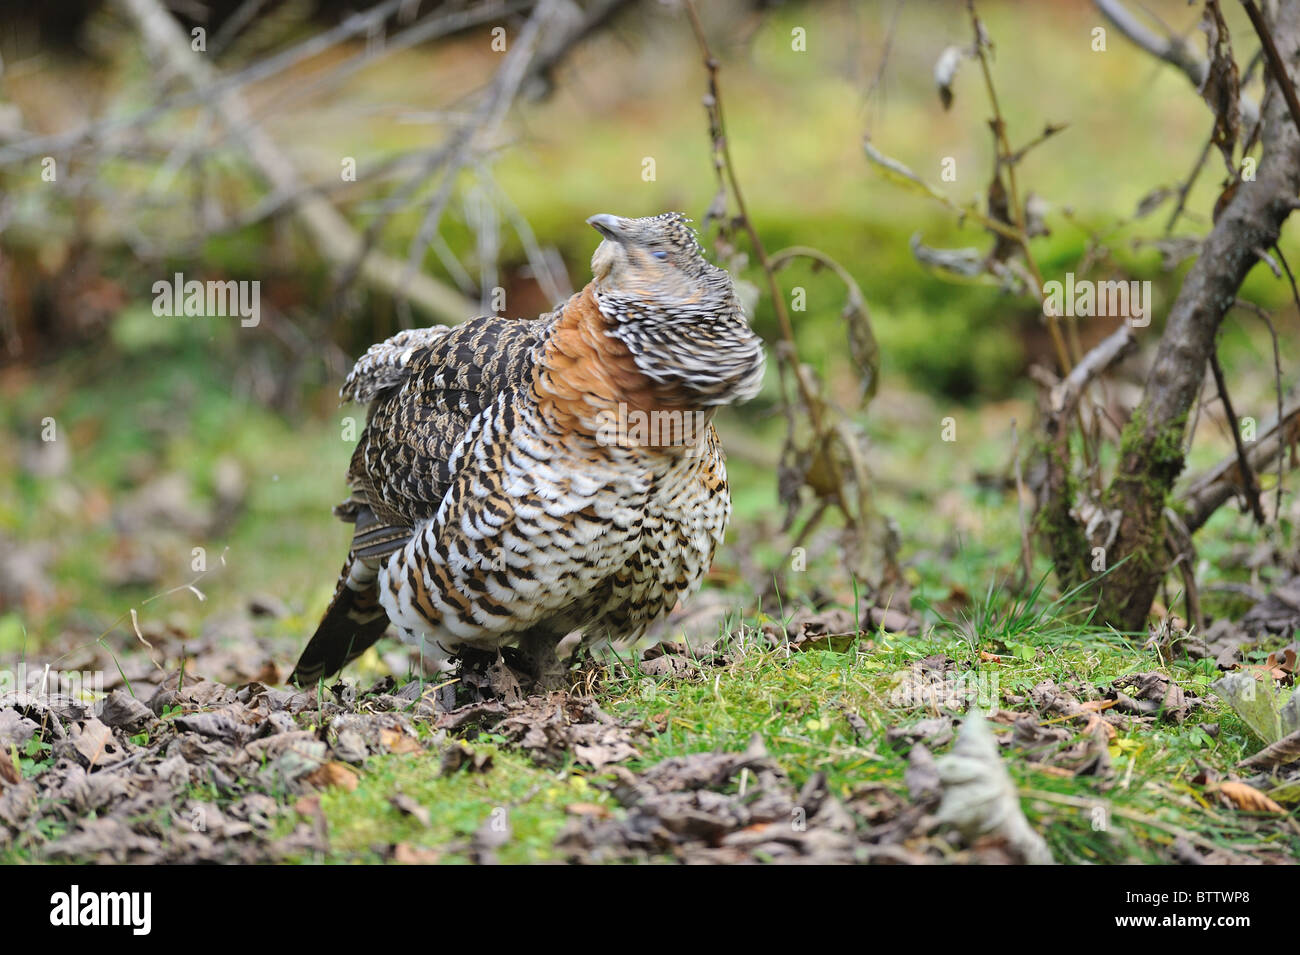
425, 387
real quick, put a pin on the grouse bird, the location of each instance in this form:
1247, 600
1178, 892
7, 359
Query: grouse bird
518, 480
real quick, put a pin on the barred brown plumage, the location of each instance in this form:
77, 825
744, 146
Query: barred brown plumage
521, 479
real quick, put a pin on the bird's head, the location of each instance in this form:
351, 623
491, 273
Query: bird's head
655, 257
677, 313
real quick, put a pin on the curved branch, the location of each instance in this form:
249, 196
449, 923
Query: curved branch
1170, 48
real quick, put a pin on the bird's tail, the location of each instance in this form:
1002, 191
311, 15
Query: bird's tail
351, 625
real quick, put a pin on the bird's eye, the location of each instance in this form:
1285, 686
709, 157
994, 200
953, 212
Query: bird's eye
660, 254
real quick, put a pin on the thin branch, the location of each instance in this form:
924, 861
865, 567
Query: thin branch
58, 143
1185, 189
1026, 552
1249, 482
553, 52
1251, 218
728, 167
1207, 492
1277, 383
1179, 544
1004, 158
1275, 64
493, 111
1170, 48
1065, 396
329, 229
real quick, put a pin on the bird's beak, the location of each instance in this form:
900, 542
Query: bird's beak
611, 227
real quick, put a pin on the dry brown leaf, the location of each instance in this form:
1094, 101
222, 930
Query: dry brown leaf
334, 774
1221, 86
1096, 706
9, 772
411, 807
1286, 750
1095, 720
94, 742
395, 741
1249, 798
1274, 668
406, 854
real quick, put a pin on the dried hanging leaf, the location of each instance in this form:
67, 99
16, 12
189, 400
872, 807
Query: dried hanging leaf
1249, 798
717, 208
900, 175
864, 350
863, 347
1221, 89
1036, 209
822, 470
958, 263
945, 71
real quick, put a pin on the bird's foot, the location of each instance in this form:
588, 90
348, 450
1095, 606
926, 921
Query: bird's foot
545, 671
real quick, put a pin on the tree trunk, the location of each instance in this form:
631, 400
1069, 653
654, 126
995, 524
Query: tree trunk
1151, 454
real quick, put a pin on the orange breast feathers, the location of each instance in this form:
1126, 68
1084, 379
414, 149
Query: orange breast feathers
588, 381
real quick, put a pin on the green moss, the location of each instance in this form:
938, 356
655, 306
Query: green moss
1151, 463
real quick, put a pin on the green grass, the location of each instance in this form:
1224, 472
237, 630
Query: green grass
364, 824
797, 703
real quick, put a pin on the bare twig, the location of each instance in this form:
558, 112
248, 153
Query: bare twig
1179, 543
1277, 382
451, 156
1249, 482
875, 91
714, 105
438, 24
1050, 130
553, 51
1026, 552
1208, 491
331, 232
1185, 189
242, 17
1109, 350
96, 132
493, 110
